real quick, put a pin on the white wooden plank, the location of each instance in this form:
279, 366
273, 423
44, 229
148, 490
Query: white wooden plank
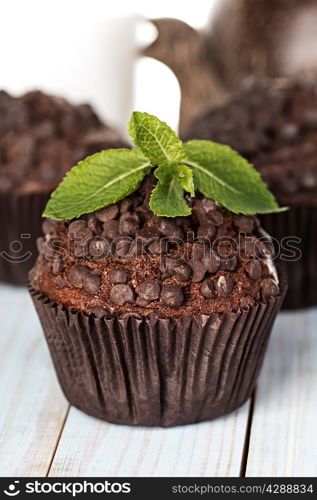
33, 408
94, 448
284, 431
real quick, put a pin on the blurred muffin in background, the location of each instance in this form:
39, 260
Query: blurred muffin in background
275, 127
263, 38
41, 138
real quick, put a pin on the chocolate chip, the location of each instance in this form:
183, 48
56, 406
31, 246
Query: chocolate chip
126, 205
189, 237
269, 288
81, 242
308, 179
183, 221
53, 243
249, 246
224, 285
149, 290
207, 289
44, 130
57, 266
123, 247
128, 226
204, 206
212, 263
77, 228
141, 302
182, 271
198, 270
215, 217
77, 274
289, 132
168, 265
49, 226
41, 244
158, 247
142, 212
167, 226
93, 223
80, 234
147, 234
99, 248
130, 215
136, 249
99, 312
172, 295
200, 251
121, 294
119, 276
59, 282
175, 238
244, 224
107, 213
79, 250
254, 269
111, 229
265, 249
92, 283
206, 231
229, 263
170, 229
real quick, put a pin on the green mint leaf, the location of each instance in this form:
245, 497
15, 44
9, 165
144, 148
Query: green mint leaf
97, 181
186, 179
156, 139
222, 174
167, 199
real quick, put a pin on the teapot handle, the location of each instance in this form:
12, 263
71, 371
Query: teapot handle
184, 51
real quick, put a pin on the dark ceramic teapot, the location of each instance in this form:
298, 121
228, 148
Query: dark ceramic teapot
259, 38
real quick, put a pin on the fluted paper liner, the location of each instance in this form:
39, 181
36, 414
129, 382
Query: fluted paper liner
21, 215
153, 371
301, 222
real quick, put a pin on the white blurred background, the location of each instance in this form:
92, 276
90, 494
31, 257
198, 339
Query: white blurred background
87, 50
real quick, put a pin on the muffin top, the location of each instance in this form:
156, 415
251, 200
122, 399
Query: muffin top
138, 231
123, 258
42, 137
274, 126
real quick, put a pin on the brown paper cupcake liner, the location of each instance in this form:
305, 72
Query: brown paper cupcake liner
20, 226
301, 222
154, 371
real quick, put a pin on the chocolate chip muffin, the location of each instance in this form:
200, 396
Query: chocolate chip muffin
153, 320
275, 127
155, 284
41, 138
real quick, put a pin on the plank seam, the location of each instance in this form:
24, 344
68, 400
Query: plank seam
57, 442
246, 446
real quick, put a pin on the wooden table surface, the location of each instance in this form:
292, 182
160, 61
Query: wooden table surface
275, 434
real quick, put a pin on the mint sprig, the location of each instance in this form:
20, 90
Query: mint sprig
167, 198
156, 139
222, 174
215, 170
98, 181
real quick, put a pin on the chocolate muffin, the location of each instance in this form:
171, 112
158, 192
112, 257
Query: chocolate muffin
275, 127
41, 138
156, 300
153, 320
